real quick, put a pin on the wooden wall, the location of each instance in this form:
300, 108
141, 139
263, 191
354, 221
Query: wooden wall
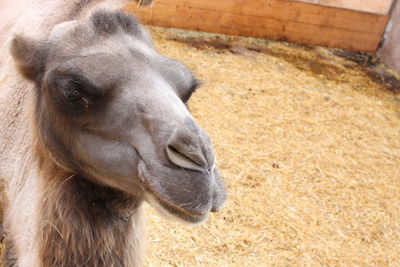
271, 19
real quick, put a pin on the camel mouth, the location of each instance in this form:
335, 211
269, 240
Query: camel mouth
172, 211
190, 201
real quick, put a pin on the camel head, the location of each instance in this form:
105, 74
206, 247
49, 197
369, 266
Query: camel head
111, 109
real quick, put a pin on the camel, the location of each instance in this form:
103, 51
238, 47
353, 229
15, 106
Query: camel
95, 123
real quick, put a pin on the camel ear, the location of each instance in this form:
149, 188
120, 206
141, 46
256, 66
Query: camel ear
29, 56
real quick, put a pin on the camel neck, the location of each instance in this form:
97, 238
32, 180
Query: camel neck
86, 224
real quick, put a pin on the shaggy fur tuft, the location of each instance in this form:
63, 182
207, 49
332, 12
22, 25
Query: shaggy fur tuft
86, 224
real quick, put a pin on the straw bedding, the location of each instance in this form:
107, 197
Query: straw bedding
309, 145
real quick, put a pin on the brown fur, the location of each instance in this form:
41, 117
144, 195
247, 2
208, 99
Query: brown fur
85, 224
9, 257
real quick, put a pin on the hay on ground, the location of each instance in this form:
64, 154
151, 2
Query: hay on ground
309, 145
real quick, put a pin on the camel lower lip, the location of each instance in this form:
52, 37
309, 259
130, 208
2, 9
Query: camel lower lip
180, 212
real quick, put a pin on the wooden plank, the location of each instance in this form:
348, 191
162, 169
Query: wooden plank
362, 31
259, 7
381, 7
289, 10
227, 19
209, 26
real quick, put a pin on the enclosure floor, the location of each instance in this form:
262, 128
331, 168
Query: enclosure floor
309, 147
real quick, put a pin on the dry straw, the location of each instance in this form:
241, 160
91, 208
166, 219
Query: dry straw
309, 147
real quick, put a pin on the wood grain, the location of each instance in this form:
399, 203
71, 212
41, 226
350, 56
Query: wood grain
270, 19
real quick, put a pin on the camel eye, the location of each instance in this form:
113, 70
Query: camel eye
72, 95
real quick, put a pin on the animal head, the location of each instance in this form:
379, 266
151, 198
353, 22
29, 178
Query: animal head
110, 108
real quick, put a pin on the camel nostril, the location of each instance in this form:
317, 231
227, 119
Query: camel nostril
185, 160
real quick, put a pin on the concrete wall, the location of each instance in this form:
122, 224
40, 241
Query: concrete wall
390, 50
